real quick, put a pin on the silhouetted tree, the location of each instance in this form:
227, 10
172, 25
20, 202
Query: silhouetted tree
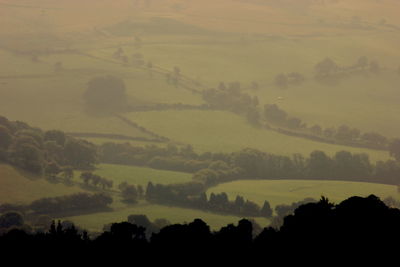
129, 193
266, 210
319, 165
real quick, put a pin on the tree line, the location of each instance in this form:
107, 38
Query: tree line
192, 195
71, 203
214, 168
343, 135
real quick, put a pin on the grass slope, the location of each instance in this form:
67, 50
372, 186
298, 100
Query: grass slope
18, 188
220, 131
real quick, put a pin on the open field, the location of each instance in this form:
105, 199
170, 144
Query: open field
289, 191
225, 132
19, 188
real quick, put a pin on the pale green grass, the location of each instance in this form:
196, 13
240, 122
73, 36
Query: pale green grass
20, 188
220, 131
289, 191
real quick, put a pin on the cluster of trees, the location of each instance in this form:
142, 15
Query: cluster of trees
106, 94
275, 115
232, 99
43, 152
283, 210
284, 80
238, 207
75, 203
328, 68
192, 195
90, 178
363, 224
171, 157
142, 220
131, 193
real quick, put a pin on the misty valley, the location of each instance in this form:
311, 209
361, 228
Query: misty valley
154, 126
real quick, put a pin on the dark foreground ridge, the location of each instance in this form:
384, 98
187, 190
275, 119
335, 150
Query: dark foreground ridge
315, 229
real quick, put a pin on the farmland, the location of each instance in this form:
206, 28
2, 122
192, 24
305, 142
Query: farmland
167, 53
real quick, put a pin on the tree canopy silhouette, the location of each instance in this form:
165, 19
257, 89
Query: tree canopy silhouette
106, 94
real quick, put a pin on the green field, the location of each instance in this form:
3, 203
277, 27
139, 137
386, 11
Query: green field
17, 187
289, 191
140, 175
225, 132
95, 222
